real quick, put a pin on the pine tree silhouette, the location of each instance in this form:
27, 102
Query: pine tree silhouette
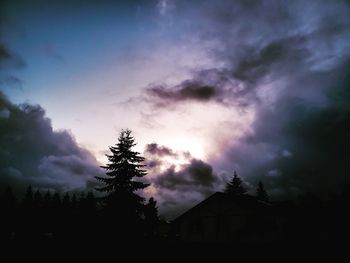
235, 187
47, 212
27, 226
8, 214
56, 201
9, 199
47, 199
38, 200
261, 193
28, 200
39, 216
66, 202
151, 217
81, 202
74, 202
152, 209
125, 165
90, 203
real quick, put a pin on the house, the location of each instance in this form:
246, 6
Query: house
226, 218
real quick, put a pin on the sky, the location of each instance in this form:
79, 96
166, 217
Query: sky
207, 87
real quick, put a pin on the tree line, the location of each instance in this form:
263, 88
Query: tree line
121, 213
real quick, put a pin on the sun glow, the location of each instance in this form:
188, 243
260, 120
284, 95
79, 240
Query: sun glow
190, 145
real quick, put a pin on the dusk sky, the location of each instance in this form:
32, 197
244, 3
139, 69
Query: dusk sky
207, 87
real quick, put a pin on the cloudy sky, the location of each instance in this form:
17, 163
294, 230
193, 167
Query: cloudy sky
207, 87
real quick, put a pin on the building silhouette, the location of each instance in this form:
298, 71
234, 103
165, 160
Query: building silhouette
228, 218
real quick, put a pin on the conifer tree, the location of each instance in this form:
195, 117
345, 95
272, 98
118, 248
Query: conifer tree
90, 202
66, 201
152, 210
151, 217
235, 186
56, 200
38, 199
38, 204
47, 207
121, 184
47, 199
74, 202
261, 193
28, 198
8, 200
8, 213
81, 199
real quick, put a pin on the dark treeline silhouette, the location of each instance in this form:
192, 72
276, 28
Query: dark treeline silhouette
78, 217
121, 214
44, 214
51, 216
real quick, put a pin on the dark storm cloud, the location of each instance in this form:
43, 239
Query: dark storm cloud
288, 61
154, 153
31, 152
158, 150
301, 143
257, 44
179, 186
274, 56
195, 176
207, 85
188, 90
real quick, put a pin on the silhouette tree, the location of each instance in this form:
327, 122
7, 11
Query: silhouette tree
151, 217
8, 199
151, 209
8, 214
66, 202
74, 202
39, 217
261, 193
125, 165
37, 199
56, 202
235, 187
47, 199
87, 204
47, 212
90, 203
81, 201
27, 226
28, 200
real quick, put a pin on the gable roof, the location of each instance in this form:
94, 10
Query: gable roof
244, 201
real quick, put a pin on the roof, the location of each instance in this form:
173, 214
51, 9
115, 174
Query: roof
222, 199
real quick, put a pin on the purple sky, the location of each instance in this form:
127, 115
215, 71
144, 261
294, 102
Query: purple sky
207, 87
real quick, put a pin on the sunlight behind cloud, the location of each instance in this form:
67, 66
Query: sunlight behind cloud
191, 144
188, 129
